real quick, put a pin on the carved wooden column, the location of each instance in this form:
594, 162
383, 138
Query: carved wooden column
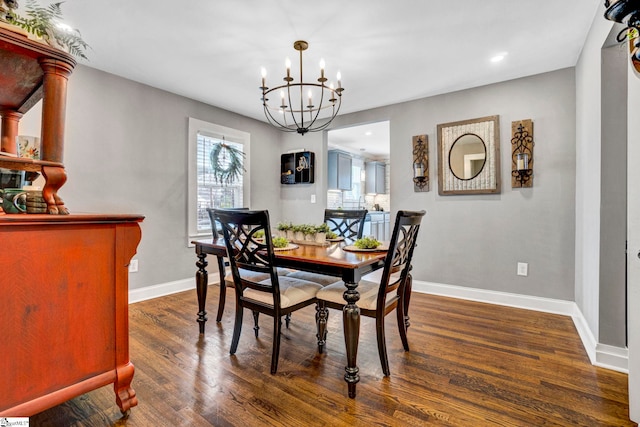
10, 120
54, 102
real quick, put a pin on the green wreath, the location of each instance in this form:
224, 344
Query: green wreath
230, 156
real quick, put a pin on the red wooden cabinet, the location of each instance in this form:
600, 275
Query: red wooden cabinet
64, 314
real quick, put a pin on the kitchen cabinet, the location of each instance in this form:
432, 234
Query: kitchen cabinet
378, 225
375, 178
339, 171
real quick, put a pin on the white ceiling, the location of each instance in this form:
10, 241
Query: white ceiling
387, 51
371, 140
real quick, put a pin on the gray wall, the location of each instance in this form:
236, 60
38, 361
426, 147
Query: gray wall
613, 196
633, 217
476, 240
296, 199
126, 152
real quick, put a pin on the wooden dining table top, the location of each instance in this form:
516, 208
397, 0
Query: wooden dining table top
332, 255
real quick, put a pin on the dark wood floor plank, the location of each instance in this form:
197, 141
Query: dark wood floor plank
470, 364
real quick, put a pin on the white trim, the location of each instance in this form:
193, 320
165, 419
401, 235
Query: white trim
614, 358
602, 355
161, 290
238, 136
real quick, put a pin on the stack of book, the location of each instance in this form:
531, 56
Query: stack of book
36, 203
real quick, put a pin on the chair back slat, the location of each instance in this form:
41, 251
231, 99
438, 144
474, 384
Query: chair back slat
401, 246
215, 225
347, 223
245, 251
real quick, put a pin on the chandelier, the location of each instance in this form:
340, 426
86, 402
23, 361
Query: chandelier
627, 12
300, 104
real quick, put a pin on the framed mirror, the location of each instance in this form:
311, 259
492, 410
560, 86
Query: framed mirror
469, 156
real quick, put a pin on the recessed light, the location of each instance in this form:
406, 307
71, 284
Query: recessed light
368, 133
499, 57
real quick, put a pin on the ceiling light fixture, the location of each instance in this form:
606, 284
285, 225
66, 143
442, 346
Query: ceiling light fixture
499, 57
302, 118
627, 12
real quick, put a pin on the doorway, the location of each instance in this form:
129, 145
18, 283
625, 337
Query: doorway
354, 149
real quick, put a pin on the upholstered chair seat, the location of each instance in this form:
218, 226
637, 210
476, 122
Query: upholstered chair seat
292, 292
254, 276
321, 279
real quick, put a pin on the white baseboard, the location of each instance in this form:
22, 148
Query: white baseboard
605, 356
163, 289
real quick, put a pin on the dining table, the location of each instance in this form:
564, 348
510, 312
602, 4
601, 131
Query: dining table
329, 259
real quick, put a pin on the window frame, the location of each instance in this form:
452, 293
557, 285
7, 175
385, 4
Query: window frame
212, 130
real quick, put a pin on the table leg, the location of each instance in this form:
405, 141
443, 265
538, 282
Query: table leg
351, 319
202, 281
223, 289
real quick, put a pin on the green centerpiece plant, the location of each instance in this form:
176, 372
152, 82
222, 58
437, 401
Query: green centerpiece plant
366, 243
280, 242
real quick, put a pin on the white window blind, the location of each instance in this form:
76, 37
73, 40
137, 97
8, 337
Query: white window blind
212, 193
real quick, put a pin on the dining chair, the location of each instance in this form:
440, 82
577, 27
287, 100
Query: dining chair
347, 223
225, 279
275, 296
377, 299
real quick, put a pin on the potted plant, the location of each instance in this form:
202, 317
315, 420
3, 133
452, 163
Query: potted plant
283, 228
321, 233
44, 23
298, 232
309, 232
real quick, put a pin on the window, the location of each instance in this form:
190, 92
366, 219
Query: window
206, 189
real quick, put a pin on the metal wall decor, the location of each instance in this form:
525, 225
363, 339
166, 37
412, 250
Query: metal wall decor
469, 156
522, 153
420, 163
627, 12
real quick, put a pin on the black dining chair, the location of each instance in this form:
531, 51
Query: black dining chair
377, 299
225, 279
346, 223
275, 296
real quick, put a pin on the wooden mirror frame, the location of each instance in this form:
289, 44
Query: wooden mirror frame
488, 180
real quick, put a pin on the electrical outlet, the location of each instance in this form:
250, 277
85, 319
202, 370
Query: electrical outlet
523, 269
133, 266
313, 198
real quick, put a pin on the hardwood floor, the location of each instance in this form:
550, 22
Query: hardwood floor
470, 364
